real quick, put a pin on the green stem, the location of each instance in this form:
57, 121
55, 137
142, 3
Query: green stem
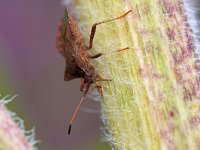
153, 100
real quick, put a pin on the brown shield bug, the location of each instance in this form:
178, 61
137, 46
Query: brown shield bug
71, 45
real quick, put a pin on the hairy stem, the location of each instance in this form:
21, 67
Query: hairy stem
12, 137
153, 100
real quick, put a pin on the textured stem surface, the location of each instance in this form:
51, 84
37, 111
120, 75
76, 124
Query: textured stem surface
153, 100
12, 137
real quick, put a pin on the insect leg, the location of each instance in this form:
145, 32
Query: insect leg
99, 78
93, 30
99, 86
96, 56
99, 89
100, 54
82, 85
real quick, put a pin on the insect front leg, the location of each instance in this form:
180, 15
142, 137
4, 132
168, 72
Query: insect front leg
93, 30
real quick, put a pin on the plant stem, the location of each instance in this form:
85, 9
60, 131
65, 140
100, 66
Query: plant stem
12, 137
153, 100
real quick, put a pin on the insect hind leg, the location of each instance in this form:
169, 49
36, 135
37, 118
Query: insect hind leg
94, 26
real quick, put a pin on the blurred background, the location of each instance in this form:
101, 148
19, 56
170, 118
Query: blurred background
31, 67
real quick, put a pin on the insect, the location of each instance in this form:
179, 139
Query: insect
73, 48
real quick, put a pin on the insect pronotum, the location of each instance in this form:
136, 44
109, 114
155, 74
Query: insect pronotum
71, 45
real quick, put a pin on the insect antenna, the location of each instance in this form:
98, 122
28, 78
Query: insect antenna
78, 107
